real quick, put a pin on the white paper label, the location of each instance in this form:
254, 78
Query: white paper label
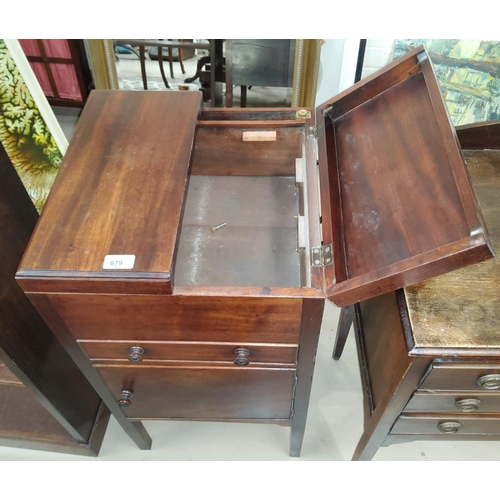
118, 262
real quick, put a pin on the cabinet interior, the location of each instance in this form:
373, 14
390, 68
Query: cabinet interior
258, 243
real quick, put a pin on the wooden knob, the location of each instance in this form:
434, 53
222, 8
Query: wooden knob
449, 427
135, 354
125, 398
241, 356
467, 405
489, 382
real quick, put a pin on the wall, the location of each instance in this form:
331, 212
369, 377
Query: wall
338, 64
378, 53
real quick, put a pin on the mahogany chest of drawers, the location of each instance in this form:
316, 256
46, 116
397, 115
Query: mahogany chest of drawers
430, 353
184, 255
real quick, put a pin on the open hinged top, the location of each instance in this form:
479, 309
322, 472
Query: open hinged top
397, 203
115, 210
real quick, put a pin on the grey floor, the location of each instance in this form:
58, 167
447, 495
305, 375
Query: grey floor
334, 426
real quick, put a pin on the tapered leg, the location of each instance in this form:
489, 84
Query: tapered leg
345, 322
312, 314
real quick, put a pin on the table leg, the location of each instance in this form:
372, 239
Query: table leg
345, 322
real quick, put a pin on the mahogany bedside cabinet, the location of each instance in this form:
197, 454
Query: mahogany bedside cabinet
184, 255
45, 401
430, 353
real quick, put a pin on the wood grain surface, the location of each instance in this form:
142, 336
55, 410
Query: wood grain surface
186, 318
204, 392
462, 309
400, 192
121, 187
482, 135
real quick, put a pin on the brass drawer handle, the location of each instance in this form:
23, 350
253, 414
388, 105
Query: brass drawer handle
490, 382
125, 398
241, 356
467, 405
135, 354
449, 427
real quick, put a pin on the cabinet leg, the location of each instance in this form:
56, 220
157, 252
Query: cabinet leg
312, 313
345, 322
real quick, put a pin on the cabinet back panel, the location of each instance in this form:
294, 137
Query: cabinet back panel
220, 150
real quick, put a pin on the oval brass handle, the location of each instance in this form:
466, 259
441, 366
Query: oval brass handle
241, 356
125, 398
467, 405
449, 427
490, 382
135, 354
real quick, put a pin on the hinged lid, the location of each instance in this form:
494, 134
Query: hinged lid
397, 203
114, 212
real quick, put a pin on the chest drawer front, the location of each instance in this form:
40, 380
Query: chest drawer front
183, 318
454, 402
462, 377
203, 393
144, 352
452, 425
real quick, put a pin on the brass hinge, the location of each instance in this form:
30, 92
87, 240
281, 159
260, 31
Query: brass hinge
322, 256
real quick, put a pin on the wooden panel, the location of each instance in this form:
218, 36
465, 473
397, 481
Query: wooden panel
458, 376
443, 313
18, 217
22, 416
408, 211
484, 135
120, 189
216, 319
220, 150
247, 114
203, 393
190, 351
385, 349
427, 402
470, 424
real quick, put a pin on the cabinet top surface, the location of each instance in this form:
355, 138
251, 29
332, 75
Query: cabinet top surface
120, 189
461, 309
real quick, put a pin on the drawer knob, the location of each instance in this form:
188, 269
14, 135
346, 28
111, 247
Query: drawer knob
490, 382
241, 356
135, 354
467, 405
125, 398
449, 427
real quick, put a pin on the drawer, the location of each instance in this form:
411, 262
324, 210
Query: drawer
463, 377
453, 402
447, 425
145, 352
181, 318
202, 393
